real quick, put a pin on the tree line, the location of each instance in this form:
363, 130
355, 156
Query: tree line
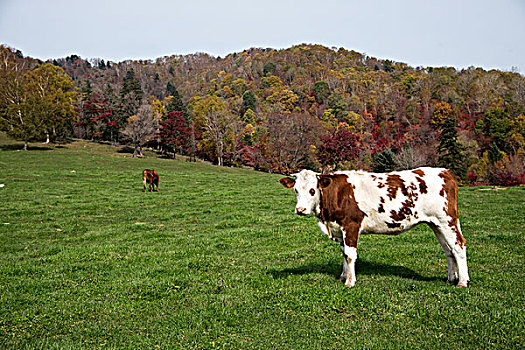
307, 106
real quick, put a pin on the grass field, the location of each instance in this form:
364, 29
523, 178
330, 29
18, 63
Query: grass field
217, 260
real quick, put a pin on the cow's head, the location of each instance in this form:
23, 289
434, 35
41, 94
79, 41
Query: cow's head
306, 189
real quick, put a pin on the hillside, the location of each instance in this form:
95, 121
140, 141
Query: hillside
312, 106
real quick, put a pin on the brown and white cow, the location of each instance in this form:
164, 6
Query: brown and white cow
349, 203
151, 177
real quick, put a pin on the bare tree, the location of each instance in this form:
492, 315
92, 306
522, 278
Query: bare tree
218, 125
410, 157
290, 137
219, 130
141, 128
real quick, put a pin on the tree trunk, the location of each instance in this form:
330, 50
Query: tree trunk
25, 145
220, 153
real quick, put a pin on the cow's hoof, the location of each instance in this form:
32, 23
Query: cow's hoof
462, 285
350, 283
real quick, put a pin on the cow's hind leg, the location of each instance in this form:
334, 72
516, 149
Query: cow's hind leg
452, 266
454, 246
345, 265
144, 183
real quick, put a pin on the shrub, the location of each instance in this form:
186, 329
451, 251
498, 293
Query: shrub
383, 161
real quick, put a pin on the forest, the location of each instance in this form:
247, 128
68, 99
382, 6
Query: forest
307, 106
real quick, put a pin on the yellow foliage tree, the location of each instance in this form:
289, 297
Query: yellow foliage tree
441, 113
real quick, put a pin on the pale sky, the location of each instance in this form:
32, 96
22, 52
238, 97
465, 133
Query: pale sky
455, 33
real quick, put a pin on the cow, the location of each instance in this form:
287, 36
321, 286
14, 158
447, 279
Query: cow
349, 203
151, 177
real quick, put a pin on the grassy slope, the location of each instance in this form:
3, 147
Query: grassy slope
217, 260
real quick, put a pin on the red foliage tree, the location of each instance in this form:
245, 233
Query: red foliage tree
95, 120
175, 132
339, 146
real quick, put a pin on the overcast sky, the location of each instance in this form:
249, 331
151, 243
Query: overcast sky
456, 33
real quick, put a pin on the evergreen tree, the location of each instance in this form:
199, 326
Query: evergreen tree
248, 102
497, 126
321, 91
131, 84
384, 161
451, 152
269, 68
338, 105
131, 95
175, 104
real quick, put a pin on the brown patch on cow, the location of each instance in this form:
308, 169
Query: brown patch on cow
373, 177
338, 205
413, 193
381, 199
394, 182
450, 188
381, 209
404, 211
287, 182
380, 185
393, 224
422, 185
151, 177
419, 172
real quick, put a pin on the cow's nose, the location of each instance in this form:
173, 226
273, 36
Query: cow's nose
300, 211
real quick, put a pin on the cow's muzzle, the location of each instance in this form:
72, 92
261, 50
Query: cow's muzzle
300, 211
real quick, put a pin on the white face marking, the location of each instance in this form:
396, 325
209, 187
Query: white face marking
307, 193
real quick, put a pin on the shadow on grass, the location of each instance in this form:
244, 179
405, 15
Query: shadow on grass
166, 156
17, 147
126, 149
363, 267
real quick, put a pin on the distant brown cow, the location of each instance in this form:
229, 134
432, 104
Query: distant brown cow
151, 177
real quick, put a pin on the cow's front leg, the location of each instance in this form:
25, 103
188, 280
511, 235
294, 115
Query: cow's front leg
350, 254
350, 236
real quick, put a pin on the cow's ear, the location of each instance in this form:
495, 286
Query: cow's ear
287, 182
324, 181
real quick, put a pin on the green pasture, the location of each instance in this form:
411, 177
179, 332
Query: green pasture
217, 260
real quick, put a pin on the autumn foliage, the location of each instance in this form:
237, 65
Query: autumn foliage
303, 107
337, 147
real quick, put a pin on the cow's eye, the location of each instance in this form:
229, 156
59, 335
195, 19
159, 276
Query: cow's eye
312, 191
